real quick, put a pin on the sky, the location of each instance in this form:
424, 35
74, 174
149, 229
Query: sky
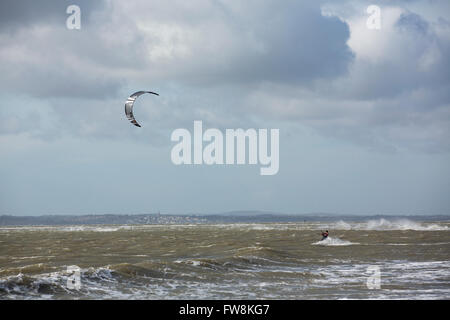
363, 112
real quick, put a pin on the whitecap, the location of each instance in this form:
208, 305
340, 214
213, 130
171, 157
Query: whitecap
388, 225
333, 242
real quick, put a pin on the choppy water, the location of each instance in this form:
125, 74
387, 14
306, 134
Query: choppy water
228, 261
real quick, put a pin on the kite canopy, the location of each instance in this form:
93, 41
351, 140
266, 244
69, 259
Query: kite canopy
129, 106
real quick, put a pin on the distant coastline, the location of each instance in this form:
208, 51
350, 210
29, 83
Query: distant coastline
227, 217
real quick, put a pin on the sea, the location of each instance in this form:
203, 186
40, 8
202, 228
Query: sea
373, 259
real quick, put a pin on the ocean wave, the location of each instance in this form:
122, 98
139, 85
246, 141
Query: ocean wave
329, 241
389, 225
93, 228
203, 278
96, 282
89, 228
36, 286
30, 269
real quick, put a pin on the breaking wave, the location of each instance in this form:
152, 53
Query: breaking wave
388, 225
333, 242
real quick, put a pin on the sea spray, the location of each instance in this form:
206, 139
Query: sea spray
329, 241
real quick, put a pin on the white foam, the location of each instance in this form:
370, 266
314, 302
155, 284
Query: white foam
196, 262
389, 225
339, 279
333, 242
341, 225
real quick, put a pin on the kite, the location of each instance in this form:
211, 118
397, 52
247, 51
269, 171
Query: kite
129, 106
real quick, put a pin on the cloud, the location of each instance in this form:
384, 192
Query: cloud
212, 51
358, 110
16, 14
163, 43
395, 95
42, 58
241, 44
233, 64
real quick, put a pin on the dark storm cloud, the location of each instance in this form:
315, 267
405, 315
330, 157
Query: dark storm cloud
42, 58
230, 43
253, 42
16, 14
